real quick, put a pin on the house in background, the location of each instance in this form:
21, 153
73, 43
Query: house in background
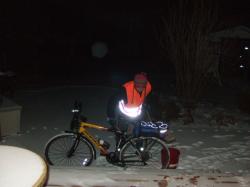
233, 52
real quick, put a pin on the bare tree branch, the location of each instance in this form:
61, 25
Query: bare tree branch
184, 39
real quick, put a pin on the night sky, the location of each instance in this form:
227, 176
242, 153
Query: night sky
55, 37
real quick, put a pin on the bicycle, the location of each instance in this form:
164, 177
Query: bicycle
78, 146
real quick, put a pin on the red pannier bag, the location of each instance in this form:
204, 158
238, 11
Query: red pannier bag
173, 160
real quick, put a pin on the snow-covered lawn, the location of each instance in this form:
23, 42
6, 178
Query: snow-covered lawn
204, 146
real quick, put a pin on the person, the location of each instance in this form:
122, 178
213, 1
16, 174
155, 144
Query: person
128, 105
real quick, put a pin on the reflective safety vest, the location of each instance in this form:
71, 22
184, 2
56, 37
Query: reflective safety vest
135, 100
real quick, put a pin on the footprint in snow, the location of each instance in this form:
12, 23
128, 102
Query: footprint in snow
242, 159
224, 136
184, 147
197, 144
192, 157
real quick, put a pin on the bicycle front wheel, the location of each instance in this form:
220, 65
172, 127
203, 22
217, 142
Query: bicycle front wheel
149, 152
69, 149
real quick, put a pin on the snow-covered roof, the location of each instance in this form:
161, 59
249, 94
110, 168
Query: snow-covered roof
238, 32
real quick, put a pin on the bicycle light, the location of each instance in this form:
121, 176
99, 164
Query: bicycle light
84, 162
141, 148
75, 110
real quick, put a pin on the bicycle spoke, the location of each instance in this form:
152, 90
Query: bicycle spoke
150, 145
57, 151
143, 150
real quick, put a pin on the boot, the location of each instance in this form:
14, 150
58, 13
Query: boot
170, 137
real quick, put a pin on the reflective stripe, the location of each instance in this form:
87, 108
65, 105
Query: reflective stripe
131, 112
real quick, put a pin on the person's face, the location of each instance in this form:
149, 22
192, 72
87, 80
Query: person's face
140, 85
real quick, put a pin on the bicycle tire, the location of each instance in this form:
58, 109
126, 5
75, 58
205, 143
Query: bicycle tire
58, 147
144, 151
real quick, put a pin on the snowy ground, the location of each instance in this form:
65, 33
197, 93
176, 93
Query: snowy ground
204, 146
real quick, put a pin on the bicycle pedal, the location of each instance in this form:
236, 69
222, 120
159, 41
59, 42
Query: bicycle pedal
112, 157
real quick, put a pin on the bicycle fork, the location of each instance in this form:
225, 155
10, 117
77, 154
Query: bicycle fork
73, 147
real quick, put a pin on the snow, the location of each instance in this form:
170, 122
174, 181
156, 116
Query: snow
20, 163
109, 177
205, 147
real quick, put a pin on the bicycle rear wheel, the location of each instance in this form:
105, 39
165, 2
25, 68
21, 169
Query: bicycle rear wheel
146, 152
69, 149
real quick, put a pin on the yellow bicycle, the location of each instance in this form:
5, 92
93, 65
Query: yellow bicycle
78, 147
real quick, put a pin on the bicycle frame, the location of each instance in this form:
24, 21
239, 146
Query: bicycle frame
83, 131
79, 133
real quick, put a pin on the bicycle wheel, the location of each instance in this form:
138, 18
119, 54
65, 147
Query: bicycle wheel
146, 152
69, 149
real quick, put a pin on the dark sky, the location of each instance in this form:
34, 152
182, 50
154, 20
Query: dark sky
60, 32
235, 12
36, 29
78, 17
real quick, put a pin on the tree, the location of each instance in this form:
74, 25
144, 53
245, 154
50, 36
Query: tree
184, 37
